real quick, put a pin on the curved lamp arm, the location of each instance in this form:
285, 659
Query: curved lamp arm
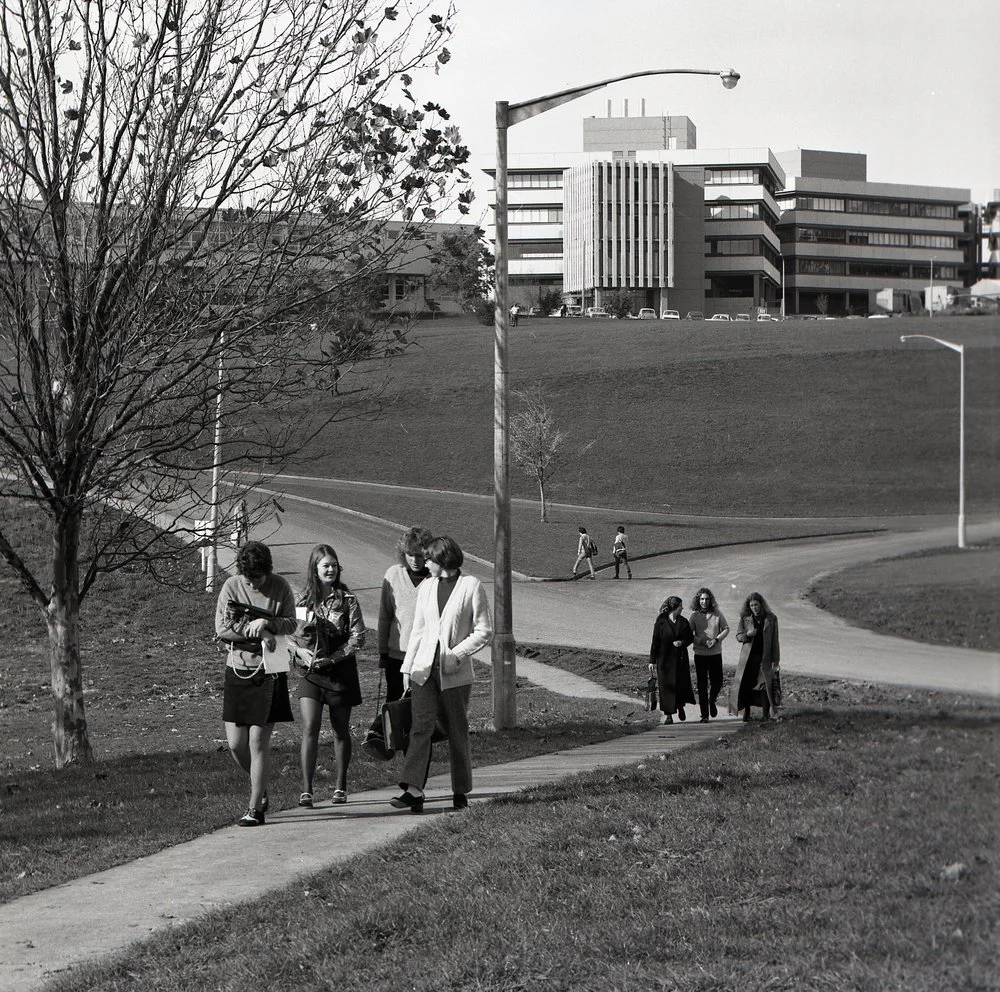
518, 112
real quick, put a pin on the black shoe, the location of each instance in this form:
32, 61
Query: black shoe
704, 719
251, 818
681, 715
712, 710
459, 801
415, 804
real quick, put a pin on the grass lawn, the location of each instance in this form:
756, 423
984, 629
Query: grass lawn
549, 549
823, 852
805, 418
941, 597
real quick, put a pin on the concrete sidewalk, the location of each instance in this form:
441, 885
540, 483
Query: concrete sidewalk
101, 915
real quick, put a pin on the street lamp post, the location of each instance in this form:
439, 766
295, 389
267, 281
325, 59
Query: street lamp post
930, 301
212, 565
507, 115
782, 287
960, 348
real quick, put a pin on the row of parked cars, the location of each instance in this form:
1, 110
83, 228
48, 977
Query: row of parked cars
646, 313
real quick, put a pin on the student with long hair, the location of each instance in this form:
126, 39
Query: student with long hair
333, 681
710, 630
756, 682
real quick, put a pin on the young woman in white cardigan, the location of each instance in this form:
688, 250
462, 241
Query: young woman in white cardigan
450, 624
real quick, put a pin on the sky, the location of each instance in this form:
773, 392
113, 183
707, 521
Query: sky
905, 81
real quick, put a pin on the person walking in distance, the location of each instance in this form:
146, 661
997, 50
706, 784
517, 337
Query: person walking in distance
585, 551
620, 551
710, 630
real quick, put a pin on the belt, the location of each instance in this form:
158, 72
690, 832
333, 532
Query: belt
246, 671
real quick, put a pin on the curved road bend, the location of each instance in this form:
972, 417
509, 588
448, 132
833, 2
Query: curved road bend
618, 616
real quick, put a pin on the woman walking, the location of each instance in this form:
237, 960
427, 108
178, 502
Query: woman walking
756, 682
397, 605
253, 607
450, 624
620, 551
668, 653
585, 550
710, 630
331, 681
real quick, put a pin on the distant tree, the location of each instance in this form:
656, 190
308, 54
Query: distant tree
463, 267
192, 201
618, 304
535, 441
549, 300
823, 303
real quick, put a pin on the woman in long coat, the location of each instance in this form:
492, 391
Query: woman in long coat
669, 653
756, 682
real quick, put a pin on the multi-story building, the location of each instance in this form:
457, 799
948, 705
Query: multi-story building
642, 210
845, 239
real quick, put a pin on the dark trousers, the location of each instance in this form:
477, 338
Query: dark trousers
708, 668
621, 558
393, 679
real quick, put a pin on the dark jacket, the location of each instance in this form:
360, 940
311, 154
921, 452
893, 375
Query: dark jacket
673, 669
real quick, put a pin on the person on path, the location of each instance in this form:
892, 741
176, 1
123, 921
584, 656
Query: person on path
253, 701
620, 551
756, 682
585, 551
515, 312
396, 606
331, 681
710, 630
450, 624
668, 654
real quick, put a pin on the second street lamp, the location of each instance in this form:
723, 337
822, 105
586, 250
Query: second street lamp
507, 115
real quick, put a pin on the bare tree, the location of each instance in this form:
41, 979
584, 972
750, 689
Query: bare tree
192, 200
535, 442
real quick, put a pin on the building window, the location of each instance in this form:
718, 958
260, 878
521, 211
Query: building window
534, 180
535, 215
819, 267
932, 241
731, 177
536, 249
732, 211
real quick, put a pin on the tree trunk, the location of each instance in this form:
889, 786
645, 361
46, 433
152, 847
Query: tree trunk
69, 724
541, 500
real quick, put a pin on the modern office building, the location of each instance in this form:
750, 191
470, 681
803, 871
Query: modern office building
642, 210
845, 239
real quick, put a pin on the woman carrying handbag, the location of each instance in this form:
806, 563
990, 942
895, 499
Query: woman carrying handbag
330, 681
451, 623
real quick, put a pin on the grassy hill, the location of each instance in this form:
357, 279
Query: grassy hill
802, 418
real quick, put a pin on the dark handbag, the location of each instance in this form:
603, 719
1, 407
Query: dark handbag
776, 688
374, 742
649, 694
397, 721
239, 615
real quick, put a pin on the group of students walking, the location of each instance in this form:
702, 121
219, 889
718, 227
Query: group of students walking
756, 682
432, 620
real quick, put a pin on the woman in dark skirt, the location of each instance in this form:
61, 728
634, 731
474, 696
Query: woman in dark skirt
253, 701
669, 653
756, 682
330, 681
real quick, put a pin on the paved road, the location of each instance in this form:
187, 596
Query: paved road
617, 616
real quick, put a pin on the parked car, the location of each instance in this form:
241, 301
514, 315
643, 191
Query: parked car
765, 316
597, 312
719, 316
647, 313
536, 312
879, 316
742, 316
574, 310
670, 315
694, 315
